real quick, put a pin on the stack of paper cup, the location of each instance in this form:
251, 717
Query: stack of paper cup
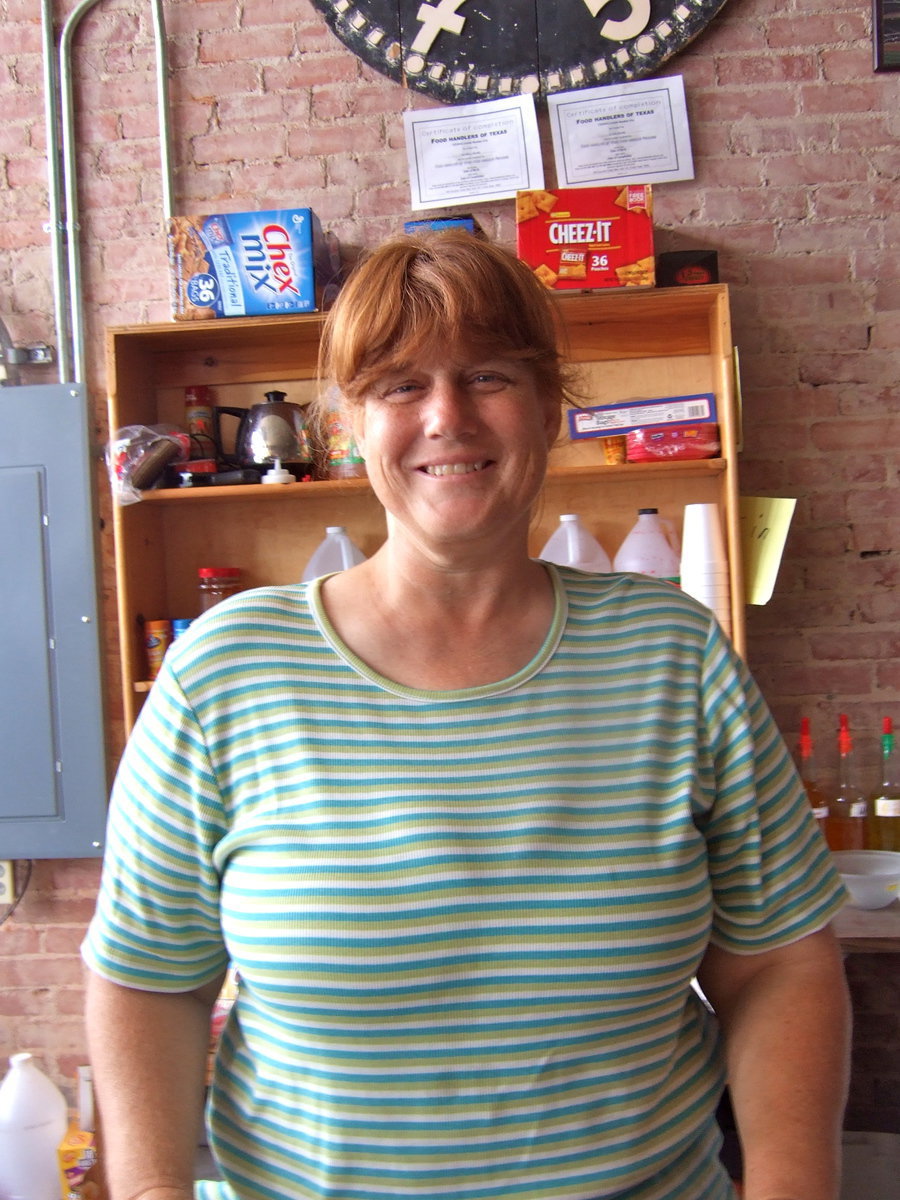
704, 561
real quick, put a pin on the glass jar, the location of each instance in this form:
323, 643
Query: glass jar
217, 583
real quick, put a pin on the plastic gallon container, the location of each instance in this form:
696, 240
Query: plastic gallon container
571, 545
651, 548
336, 552
34, 1118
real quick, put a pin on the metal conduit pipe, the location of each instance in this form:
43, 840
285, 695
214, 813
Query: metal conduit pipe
67, 285
54, 179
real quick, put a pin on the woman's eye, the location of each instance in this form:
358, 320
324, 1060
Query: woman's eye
489, 379
399, 391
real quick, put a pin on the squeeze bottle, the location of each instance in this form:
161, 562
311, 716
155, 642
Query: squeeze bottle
571, 545
336, 552
34, 1118
650, 548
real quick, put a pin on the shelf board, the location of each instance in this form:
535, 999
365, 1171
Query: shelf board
333, 487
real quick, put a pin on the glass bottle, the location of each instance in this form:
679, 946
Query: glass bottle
809, 774
884, 803
217, 583
845, 828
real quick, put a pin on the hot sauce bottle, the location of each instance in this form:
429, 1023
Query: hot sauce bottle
809, 774
884, 803
845, 826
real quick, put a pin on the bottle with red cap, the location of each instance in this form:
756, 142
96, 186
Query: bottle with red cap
884, 803
848, 808
217, 583
809, 774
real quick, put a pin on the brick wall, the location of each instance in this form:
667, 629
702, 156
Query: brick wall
796, 150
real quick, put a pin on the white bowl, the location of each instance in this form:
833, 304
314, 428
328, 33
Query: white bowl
872, 877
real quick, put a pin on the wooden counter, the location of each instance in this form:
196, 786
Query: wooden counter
869, 931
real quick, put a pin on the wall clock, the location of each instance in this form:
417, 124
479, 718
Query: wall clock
464, 50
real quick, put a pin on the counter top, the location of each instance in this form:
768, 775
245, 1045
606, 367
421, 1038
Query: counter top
869, 931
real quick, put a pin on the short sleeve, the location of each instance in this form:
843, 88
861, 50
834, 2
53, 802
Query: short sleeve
156, 925
772, 875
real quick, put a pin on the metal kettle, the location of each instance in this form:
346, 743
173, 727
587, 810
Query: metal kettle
272, 432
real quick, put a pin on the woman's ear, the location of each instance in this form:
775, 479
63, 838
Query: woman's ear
355, 415
552, 422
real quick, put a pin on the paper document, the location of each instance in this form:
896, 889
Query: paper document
765, 521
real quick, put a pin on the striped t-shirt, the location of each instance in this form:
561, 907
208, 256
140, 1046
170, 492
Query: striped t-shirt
465, 923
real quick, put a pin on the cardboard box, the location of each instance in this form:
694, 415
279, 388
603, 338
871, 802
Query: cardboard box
436, 224
77, 1154
686, 268
624, 416
588, 238
248, 264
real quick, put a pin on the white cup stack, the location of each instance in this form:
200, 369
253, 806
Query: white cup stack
704, 561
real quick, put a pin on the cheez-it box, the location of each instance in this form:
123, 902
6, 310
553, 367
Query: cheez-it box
584, 238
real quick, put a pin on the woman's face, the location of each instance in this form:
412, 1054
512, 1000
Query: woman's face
456, 447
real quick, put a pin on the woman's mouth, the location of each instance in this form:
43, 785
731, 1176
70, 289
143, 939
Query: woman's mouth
439, 469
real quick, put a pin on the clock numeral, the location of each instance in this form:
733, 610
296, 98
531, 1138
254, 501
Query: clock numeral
437, 18
625, 29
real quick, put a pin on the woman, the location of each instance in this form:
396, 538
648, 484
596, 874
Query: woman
469, 827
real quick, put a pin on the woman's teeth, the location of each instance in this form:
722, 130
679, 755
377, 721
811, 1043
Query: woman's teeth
455, 468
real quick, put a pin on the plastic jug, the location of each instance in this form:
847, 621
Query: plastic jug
34, 1118
571, 545
336, 552
651, 548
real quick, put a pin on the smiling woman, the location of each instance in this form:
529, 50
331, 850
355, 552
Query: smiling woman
467, 826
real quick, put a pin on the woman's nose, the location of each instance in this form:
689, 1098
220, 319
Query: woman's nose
448, 410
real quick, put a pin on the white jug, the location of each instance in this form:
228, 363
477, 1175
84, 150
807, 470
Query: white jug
34, 1118
336, 552
571, 545
651, 548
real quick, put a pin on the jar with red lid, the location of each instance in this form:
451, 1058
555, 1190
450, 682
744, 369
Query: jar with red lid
217, 583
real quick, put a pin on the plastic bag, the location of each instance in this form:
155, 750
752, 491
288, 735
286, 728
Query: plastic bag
138, 455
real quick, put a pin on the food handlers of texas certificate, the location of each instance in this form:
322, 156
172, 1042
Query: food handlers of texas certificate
473, 153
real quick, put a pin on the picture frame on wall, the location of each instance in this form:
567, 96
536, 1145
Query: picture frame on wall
886, 34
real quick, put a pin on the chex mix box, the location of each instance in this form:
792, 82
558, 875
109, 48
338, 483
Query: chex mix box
247, 264
585, 238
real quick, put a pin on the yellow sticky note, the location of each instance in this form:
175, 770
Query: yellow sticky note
765, 521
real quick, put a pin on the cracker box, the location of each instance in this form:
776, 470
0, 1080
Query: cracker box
248, 264
625, 416
586, 238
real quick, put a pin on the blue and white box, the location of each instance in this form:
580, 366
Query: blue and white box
248, 264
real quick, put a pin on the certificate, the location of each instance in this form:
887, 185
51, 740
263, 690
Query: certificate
625, 133
473, 152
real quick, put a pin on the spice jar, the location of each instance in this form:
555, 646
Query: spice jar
217, 583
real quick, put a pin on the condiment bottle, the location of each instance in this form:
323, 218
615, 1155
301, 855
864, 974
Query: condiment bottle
845, 828
884, 803
157, 639
217, 583
199, 418
809, 774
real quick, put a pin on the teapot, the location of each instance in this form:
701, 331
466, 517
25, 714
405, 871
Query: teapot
269, 433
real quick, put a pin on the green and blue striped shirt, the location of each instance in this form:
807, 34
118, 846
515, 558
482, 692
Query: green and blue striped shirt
465, 923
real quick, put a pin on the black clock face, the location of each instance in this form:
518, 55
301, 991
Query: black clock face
464, 50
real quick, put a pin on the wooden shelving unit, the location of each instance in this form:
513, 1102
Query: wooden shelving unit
628, 344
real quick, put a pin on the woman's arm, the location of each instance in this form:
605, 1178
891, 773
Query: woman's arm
785, 1016
148, 1054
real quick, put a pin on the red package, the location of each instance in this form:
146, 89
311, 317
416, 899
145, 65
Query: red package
672, 443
